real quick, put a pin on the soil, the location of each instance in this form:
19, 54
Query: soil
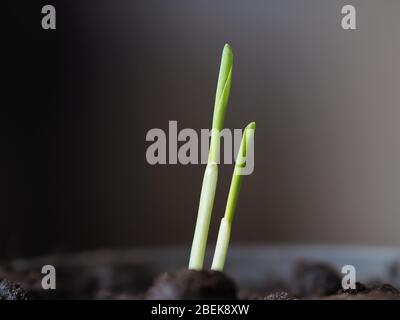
383, 292
315, 279
11, 291
193, 285
121, 280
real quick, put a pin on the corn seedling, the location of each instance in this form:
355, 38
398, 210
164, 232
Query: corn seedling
210, 178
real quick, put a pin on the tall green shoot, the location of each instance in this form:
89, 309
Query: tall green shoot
211, 173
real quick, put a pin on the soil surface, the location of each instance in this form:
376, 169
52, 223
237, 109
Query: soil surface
193, 285
120, 279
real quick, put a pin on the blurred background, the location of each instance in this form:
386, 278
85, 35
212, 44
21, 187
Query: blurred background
78, 101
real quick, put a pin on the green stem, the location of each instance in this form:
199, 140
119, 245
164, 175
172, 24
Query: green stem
203, 217
224, 233
211, 174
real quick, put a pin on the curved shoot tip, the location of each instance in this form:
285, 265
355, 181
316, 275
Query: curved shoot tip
225, 69
223, 88
227, 51
248, 136
251, 126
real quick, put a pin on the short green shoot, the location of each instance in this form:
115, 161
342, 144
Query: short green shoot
224, 233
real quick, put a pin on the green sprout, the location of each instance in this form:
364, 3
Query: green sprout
224, 233
211, 176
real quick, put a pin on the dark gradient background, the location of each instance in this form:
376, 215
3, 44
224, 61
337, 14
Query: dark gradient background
77, 103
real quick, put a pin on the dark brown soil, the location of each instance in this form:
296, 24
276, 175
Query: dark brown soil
281, 295
11, 291
193, 285
315, 279
360, 288
309, 280
383, 292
